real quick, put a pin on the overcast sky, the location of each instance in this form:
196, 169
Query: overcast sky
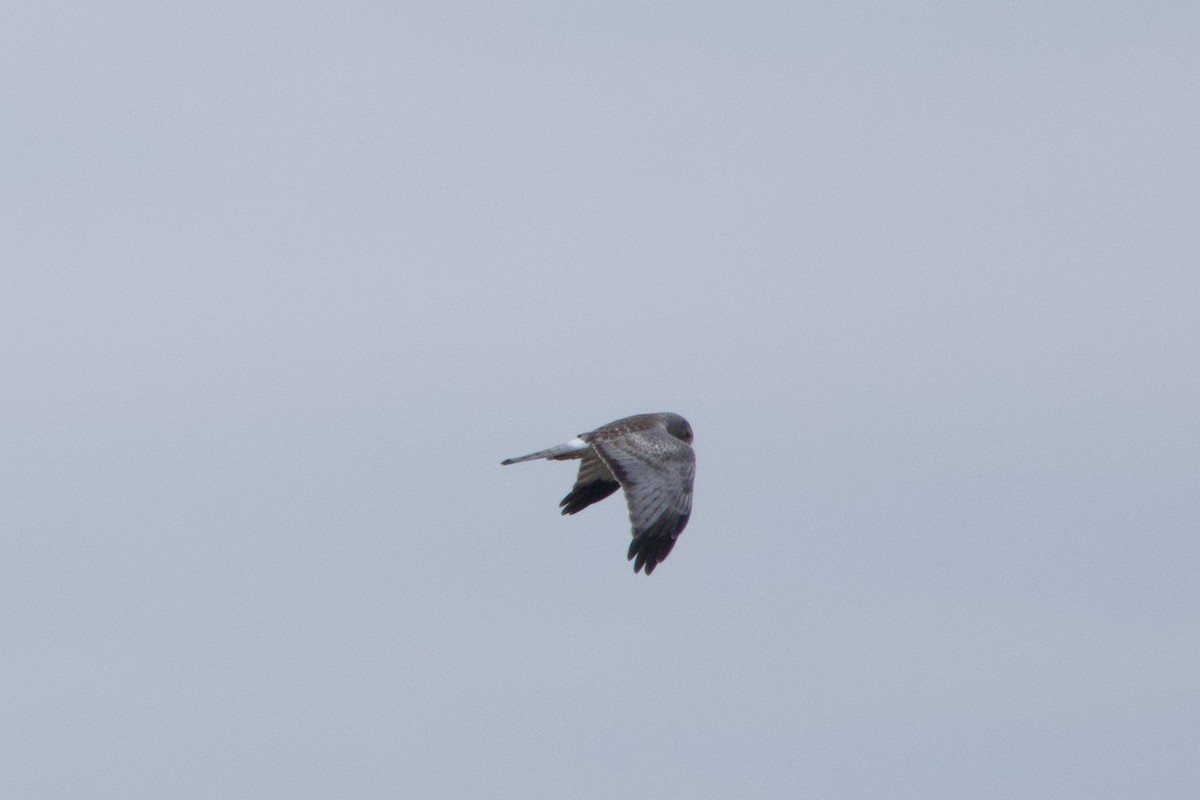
282, 283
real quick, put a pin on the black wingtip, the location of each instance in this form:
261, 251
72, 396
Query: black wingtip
650, 551
583, 496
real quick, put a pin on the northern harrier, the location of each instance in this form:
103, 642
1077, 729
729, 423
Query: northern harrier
649, 456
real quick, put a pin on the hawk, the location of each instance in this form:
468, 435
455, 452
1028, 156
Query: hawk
650, 456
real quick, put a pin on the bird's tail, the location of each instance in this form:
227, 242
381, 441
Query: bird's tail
572, 449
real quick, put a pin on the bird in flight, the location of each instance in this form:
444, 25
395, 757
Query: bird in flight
650, 456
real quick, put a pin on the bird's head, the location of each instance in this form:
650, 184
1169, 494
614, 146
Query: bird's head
678, 427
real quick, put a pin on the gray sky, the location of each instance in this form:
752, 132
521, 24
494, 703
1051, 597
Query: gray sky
283, 283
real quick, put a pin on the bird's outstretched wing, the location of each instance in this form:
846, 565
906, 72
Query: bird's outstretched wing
595, 482
656, 470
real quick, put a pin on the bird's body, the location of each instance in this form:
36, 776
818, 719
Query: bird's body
650, 456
